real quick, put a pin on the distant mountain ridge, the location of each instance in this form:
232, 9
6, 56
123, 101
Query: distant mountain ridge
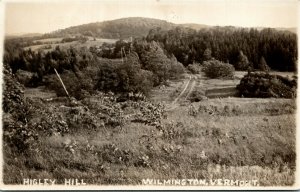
134, 27
127, 27
119, 28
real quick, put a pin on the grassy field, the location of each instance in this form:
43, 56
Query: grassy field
53, 42
39, 92
220, 138
49, 40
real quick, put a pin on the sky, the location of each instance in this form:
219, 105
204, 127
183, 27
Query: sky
40, 16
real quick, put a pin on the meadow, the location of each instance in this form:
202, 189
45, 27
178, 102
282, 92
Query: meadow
216, 138
49, 44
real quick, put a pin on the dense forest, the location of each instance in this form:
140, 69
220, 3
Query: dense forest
144, 62
83, 70
192, 43
238, 46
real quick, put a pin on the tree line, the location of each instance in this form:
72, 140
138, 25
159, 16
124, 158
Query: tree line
139, 65
142, 66
241, 47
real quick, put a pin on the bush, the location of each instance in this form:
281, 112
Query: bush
81, 39
176, 69
154, 59
24, 77
217, 69
194, 68
197, 96
17, 110
78, 87
265, 85
124, 77
13, 94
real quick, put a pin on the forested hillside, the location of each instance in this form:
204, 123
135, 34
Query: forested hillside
192, 43
119, 28
241, 47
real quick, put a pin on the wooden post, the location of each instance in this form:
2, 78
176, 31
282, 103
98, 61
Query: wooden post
123, 49
62, 83
124, 54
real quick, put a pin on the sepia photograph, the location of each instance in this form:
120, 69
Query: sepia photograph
149, 94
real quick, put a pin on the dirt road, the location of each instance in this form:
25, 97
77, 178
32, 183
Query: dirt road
186, 91
194, 81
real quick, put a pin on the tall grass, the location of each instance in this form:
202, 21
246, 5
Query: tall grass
251, 142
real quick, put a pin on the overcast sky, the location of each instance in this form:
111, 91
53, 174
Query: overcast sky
45, 16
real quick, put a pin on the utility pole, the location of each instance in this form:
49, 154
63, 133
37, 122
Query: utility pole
62, 84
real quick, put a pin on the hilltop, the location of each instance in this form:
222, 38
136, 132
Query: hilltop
119, 28
135, 27
127, 27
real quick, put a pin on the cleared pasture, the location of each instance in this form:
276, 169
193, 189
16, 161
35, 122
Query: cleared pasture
230, 138
49, 42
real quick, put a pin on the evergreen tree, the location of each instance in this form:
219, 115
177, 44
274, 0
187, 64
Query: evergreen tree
242, 63
207, 54
263, 66
279, 48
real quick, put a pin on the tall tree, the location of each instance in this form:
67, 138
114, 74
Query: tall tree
243, 62
207, 54
262, 65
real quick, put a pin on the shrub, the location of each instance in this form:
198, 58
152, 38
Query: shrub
24, 77
77, 86
20, 136
81, 39
17, 112
217, 69
265, 85
124, 77
154, 59
13, 94
176, 69
194, 68
197, 96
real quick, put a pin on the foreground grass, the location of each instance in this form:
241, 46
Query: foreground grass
235, 138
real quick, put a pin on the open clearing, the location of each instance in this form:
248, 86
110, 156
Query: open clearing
212, 88
49, 40
51, 43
